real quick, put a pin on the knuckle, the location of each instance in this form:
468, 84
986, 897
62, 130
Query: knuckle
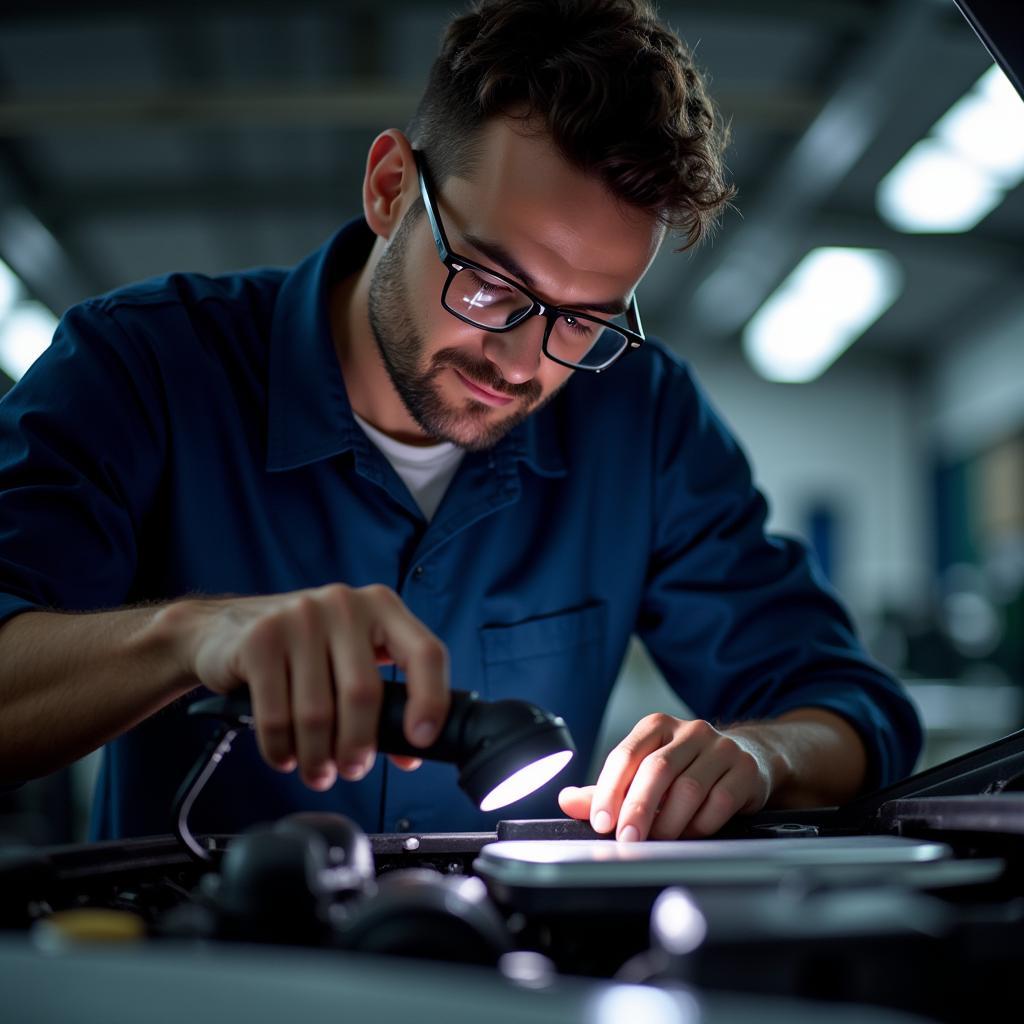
340, 599
264, 635
361, 693
274, 725
621, 755
315, 719
335, 591
725, 799
432, 654
656, 721
638, 809
380, 593
703, 730
688, 788
660, 763
304, 612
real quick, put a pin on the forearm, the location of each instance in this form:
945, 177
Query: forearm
70, 683
815, 757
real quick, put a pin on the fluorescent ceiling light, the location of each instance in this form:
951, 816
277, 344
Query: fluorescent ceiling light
10, 289
24, 334
986, 128
934, 189
831, 298
961, 172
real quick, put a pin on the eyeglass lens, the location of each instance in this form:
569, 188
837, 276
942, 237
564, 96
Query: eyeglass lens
490, 302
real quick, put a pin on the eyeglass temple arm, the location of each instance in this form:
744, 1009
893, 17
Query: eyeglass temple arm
634, 315
440, 238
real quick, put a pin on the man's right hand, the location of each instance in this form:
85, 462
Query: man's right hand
310, 660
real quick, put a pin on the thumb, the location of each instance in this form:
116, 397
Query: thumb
575, 801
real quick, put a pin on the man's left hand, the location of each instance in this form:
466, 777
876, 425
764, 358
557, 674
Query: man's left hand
671, 778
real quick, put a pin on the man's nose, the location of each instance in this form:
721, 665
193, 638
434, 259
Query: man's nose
517, 353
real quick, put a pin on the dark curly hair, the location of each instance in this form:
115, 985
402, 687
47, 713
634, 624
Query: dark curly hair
617, 91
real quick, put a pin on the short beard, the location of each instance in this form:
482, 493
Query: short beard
401, 348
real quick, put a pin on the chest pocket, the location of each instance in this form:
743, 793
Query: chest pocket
555, 661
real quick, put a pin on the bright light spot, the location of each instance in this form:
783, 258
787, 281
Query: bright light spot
25, 333
525, 781
480, 299
472, 889
643, 1003
960, 173
531, 970
933, 188
986, 128
678, 922
826, 303
10, 289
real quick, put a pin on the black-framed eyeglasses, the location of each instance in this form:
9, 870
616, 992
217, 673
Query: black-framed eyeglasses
493, 302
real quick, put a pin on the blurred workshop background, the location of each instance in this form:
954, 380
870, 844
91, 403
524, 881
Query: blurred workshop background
859, 318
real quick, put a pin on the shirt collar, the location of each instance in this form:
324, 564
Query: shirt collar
309, 416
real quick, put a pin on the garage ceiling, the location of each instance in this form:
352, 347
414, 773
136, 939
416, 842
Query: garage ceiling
147, 138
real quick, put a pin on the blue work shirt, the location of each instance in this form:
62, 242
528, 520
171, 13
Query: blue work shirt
193, 435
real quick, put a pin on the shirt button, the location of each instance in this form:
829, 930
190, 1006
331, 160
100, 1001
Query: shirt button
403, 825
417, 573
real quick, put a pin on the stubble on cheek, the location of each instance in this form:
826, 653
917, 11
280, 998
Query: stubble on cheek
419, 378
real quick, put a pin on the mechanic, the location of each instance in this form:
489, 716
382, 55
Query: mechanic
397, 456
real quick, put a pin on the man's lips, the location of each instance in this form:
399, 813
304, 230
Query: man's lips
482, 394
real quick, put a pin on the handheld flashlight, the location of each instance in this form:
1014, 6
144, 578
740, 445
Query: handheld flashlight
504, 750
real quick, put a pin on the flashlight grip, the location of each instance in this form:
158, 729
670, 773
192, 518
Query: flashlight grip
449, 743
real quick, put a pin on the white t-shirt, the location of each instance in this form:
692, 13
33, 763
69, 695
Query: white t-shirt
426, 470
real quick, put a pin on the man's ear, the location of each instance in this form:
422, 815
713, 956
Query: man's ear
390, 182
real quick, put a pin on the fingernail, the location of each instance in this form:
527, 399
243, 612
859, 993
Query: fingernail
324, 778
355, 770
423, 733
630, 834
602, 822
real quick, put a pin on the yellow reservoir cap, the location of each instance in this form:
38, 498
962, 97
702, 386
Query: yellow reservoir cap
88, 924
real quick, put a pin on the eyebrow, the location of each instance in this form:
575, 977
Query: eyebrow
498, 254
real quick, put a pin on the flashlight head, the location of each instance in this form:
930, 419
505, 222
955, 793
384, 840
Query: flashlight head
513, 748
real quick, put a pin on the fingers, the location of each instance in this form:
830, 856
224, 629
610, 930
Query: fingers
311, 661
421, 656
620, 766
670, 778
739, 790
672, 781
266, 671
575, 801
679, 803
357, 685
368, 627
407, 764
312, 694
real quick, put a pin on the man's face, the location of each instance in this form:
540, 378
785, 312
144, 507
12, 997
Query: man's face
528, 214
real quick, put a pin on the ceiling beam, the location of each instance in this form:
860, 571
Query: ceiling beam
841, 14
364, 104
230, 196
